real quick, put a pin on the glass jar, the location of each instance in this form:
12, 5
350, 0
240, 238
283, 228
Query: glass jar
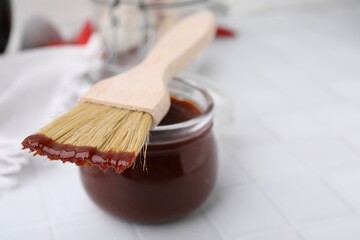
129, 28
179, 169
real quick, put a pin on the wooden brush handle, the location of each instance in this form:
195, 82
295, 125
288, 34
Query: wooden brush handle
181, 44
143, 88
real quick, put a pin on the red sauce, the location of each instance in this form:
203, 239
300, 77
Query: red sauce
180, 111
81, 156
179, 176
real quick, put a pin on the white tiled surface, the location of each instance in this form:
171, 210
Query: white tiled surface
271, 163
243, 210
39, 233
343, 180
276, 236
308, 200
290, 171
334, 229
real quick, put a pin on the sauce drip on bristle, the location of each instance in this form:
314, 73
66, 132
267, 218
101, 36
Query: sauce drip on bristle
81, 156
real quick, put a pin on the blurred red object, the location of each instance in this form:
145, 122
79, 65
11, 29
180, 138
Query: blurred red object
224, 32
85, 33
81, 39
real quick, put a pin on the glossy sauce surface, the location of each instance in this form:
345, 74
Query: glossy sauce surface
180, 111
81, 156
178, 176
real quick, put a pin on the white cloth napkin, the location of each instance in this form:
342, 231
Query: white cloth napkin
35, 87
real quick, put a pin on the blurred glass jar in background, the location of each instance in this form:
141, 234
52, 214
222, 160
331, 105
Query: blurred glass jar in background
5, 23
130, 28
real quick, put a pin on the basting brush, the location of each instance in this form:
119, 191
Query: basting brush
111, 122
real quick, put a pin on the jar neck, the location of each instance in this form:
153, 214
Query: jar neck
198, 96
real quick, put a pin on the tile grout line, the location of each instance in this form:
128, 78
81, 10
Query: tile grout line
51, 221
277, 206
136, 231
212, 221
348, 203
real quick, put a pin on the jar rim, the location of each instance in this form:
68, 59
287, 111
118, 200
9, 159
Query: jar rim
204, 117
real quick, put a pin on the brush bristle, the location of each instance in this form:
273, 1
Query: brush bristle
102, 127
